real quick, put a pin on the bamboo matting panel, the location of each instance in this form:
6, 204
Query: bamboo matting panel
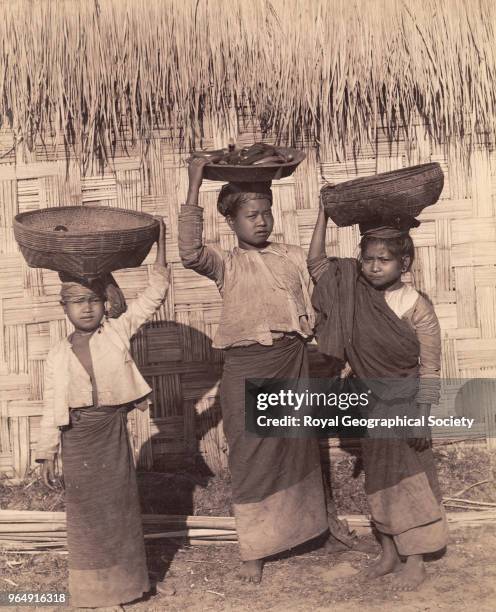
455, 266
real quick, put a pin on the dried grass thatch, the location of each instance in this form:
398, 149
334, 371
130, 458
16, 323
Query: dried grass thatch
95, 71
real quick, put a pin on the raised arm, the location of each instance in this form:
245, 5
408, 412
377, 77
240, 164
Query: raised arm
317, 259
144, 306
195, 255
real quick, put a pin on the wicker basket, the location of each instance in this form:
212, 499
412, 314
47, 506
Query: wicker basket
85, 240
409, 189
256, 174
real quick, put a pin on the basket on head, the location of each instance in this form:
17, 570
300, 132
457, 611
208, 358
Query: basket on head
85, 241
253, 174
409, 190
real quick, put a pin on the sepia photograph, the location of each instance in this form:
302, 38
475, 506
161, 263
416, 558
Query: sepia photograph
247, 305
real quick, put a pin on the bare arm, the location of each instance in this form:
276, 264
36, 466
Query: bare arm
160, 258
317, 259
145, 305
317, 244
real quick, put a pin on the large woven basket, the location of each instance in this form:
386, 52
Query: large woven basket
409, 190
255, 174
88, 241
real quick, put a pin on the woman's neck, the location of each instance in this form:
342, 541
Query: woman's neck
245, 246
84, 332
397, 284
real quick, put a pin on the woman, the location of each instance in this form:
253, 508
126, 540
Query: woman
266, 319
390, 336
91, 383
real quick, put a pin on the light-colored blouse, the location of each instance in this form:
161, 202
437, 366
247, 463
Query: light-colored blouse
266, 292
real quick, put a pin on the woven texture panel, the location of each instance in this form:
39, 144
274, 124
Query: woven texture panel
455, 266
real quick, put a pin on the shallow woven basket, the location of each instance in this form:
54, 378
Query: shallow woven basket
255, 174
409, 189
98, 239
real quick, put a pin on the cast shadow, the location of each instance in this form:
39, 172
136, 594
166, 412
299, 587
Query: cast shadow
188, 450
322, 366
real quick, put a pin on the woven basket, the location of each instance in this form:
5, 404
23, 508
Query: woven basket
409, 190
255, 174
91, 240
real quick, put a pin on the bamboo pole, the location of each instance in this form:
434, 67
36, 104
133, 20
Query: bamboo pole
36, 531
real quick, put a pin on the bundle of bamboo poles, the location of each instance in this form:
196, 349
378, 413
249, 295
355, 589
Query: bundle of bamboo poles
37, 530
25, 531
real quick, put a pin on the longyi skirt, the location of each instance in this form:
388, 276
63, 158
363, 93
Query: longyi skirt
278, 494
107, 563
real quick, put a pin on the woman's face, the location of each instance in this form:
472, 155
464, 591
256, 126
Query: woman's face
252, 223
380, 267
85, 312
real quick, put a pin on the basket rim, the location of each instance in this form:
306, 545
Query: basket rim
17, 224
393, 175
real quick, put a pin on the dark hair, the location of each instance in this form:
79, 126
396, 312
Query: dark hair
399, 247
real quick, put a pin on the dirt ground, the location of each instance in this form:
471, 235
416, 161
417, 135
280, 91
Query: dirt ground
204, 578
309, 578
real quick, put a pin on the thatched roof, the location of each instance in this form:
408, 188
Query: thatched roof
93, 70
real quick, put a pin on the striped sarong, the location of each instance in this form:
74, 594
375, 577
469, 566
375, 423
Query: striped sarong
278, 494
107, 563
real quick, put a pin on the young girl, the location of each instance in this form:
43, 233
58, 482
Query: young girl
266, 317
91, 384
385, 329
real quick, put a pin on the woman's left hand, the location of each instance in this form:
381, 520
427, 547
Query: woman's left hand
161, 241
160, 220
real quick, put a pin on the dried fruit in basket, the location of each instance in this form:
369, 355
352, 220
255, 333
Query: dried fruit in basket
259, 153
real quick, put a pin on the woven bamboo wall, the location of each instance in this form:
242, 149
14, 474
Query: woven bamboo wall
455, 266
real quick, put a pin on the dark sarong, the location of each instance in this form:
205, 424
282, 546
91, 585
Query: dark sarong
278, 494
354, 323
107, 563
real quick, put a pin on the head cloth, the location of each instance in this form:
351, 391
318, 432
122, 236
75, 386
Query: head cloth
232, 195
103, 287
388, 224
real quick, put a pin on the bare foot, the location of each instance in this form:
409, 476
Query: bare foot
385, 564
411, 576
251, 571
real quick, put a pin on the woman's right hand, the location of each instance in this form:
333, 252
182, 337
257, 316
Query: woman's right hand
195, 171
48, 473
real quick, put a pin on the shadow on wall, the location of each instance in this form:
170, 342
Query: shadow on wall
183, 427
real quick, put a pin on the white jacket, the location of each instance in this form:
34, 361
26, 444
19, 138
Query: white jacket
118, 380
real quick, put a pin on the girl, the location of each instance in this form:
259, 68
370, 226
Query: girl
385, 329
266, 318
91, 384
